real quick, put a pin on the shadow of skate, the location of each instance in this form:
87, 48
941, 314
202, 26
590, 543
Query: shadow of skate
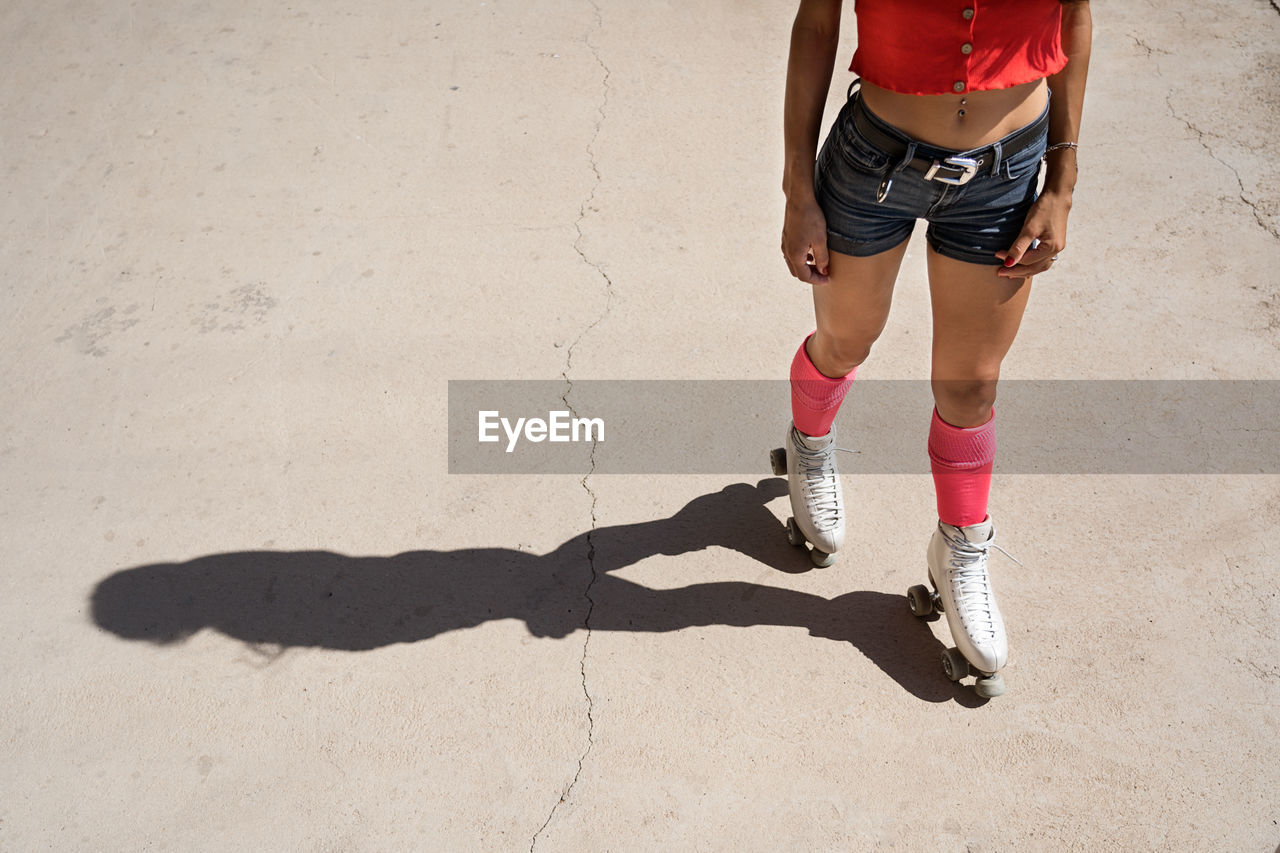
281, 600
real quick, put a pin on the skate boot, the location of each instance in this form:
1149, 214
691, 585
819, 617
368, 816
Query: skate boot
817, 504
962, 589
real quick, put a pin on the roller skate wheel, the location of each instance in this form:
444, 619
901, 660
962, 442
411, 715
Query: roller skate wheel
821, 559
794, 536
920, 597
954, 664
778, 460
990, 686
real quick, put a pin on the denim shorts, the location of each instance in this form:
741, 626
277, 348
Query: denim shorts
968, 222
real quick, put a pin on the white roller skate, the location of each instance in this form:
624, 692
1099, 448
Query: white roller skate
962, 589
817, 504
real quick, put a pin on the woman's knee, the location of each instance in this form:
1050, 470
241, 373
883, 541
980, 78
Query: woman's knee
838, 354
965, 402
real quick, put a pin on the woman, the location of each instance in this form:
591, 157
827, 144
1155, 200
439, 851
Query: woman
959, 103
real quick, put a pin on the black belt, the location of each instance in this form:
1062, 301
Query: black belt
957, 169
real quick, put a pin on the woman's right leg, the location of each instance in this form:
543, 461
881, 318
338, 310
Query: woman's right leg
853, 308
851, 311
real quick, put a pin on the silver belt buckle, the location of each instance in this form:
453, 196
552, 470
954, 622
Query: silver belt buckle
967, 164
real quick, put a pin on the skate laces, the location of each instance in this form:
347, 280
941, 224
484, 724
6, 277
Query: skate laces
821, 488
972, 584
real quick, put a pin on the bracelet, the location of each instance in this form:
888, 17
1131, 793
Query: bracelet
1074, 146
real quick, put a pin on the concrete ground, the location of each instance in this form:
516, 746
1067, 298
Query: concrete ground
247, 608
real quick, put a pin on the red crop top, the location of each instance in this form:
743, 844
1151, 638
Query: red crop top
936, 47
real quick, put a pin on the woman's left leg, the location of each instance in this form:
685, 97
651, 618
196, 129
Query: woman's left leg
976, 315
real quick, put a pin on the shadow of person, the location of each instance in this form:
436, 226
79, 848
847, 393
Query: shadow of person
281, 600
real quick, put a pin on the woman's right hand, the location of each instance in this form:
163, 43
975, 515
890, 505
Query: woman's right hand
815, 35
804, 241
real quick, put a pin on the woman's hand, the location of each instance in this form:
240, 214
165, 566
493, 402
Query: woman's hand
1047, 223
814, 38
804, 241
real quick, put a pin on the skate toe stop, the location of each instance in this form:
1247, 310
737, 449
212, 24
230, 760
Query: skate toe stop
990, 686
821, 559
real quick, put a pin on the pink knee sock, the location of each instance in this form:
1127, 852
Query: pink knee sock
815, 398
962, 460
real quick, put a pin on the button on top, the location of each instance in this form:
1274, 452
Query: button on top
958, 86
967, 14
966, 48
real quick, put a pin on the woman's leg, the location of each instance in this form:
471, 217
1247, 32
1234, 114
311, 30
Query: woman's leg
851, 311
976, 315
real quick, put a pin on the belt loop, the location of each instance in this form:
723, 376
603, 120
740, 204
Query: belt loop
997, 154
856, 84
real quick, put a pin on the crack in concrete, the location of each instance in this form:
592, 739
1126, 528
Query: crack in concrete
568, 365
1200, 137
1148, 49
1152, 53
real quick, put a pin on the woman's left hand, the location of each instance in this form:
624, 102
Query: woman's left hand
1047, 223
